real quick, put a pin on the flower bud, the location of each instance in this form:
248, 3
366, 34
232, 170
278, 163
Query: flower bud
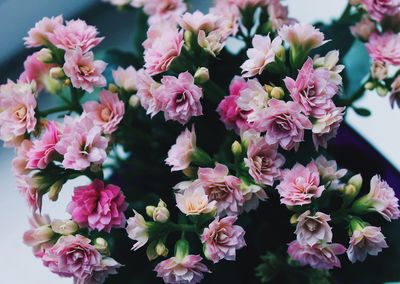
293, 219
53, 86
181, 249
151, 251
150, 210
356, 225
281, 54
55, 189
357, 181
369, 86
202, 75
134, 101
64, 227
44, 55
379, 70
161, 214
102, 246
277, 93
57, 73
189, 172
188, 37
38, 235
236, 149
268, 88
113, 88
67, 82
161, 249
161, 203
382, 91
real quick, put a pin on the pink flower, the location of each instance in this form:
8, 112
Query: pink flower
223, 188
179, 156
194, 22
252, 195
126, 78
363, 29
180, 98
253, 99
242, 4
76, 34
319, 256
163, 50
82, 144
300, 184
313, 228
108, 113
20, 162
279, 14
221, 239
364, 241
264, 161
231, 114
163, 11
28, 189
262, 54
39, 235
108, 267
384, 48
83, 71
395, 93
98, 207
378, 9
35, 70
329, 173
302, 36
325, 127
283, 122
73, 256
182, 271
39, 35
137, 230
229, 18
194, 201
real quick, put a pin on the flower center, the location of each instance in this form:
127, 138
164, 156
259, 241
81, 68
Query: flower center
86, 70
21, 112
105, 114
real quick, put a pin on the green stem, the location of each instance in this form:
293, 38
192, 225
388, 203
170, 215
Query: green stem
346, 14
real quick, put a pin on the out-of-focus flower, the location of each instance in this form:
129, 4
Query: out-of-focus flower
330, 63
35, 70
126, 78
313, 228
279, 14
243, 4
108, 267
39, 235
64, 227
29, 191
194, 22
229, 18
302, 37
137, 230
194, 201
20, 162
325, 127
179, 156
385, 48
379, 70
211, 43
378, 9
146, 93
395, 93
39, 35
363, 29
162, 11
330, 175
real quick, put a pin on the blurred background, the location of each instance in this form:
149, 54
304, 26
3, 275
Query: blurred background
17, 265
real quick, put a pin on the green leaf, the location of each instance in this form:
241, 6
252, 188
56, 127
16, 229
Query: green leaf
362, 111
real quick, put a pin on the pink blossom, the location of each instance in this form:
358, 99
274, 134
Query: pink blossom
35, 70
108, 267
193, 200
39, 35
252, 195
223, 188
73, 256
302, 36
76, 34
329, 173
313, 228
253, 99
126, 78
28, 189
98, 206
163, 11
384, 48
319, 256
194, 22
83, 70
363, 29
300, 184
137, 230
108, 113
242, 4
182, 271
212, 43
263, 53
119, 2
364, 241
221, 239
146, 93
229, 18
180, 98
20, 162
39, 235
283, 122
264, 161
325, 127
279, 14
179, 156
395, 93
379, 9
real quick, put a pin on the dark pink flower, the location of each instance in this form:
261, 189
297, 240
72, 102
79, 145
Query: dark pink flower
378, 9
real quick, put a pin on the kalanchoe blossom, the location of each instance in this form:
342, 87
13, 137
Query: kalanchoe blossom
253, 98
330, 175
364, 241
39, 35
300, 184
146, 93
279, 14
303, 37
83, 70
137, 230
363, 29
20, 162
222, 238
252, 195
319, 256
194, 200
182, 271
330, 63
162, 11
222, 188
395, 93
211, 43
385, 48
229, 18
378, 9
108, 267
180, 98
313, 228
194, 22
126, 78
325, 127
98, 206
29, 190
179, 156
40, 234
35, 70
263, 53
108, 113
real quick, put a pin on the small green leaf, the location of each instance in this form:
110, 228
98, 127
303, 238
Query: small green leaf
362, 111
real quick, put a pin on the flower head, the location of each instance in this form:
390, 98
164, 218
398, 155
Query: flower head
39, 35
35, 70
20, 162
162, 11
302, 36
194, 22
330, 175
137, 230
384, 48
194, 201
179, 156
313, 228
126, 78
326, 127
40, 234
378, 9
364, 28
146, 93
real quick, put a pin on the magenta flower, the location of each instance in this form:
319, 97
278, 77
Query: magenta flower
126, 78
325, 127
43, 150
39, 35
20, 162
76, 34
364, 241
83, 70
179, 156
146, 93
302, 36
384, 48
221, 239
180, 98
319, 256
98, 207
300, 184
40, 234
283, 122
194, 22
137, 230
108, 113
379, 9
313, 228
222, 188
182, 271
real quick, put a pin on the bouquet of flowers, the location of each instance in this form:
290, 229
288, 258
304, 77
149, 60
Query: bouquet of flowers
205, 150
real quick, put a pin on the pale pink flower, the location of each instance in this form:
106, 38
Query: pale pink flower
329, 62
39, 235
108, 267
98, 206
264, 161
253, 98
162, 11
108, 113
283, 122
222, 188
395, 93
83, 70
156, 31
39, 35
279, 14
300, 184
252, 195
126, 78
35, 70
76, 34
179, 156
262, 54
194, 22
212, 43
29, 190
329, 173
363, 29
73, 256
194, 201
20, 162
319, 256
379, 9
302, 36
326, 127
182, 271
242, 4
385, 48
313, 228
43, 149
364, 241
146, 93
229, 18
180, 98
222, 238
137, 230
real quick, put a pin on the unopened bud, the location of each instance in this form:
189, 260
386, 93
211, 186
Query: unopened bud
64, 227
57, 73
277, 93
67, 82
134, 101
369, 86
379, 70
161, 214
161, 203
44, 55
161, 249
188, 37
113, 88
150, 210
55, 190
181, 249
357, 181
268, 88
151, 251
189, 172
101, 245
382, 91
236, 148
293, 219
202, 75
281, 54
